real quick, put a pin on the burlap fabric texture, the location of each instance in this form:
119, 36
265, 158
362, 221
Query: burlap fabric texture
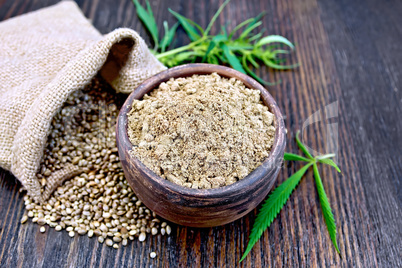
44, 56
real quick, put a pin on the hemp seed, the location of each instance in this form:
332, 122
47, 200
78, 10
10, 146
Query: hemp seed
98, 201
24, 219
109, 242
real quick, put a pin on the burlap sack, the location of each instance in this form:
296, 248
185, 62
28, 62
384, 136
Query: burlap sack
44, 56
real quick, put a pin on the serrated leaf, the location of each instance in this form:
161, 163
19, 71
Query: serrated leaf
244, 23
272, 206
279, 51
249, 29
219, 38
273, 65
214, 42
254, 75
255, 20
274, 39
252, 61
232, 59
187, 56
252, 25
223, 30
239, 46
169, 34
221, 58
211, 46
331, 163
235, 52
324, 156
302, 147
255, 37
325, 207
215, 17
187, 25
295, 157
147, 17
213, 59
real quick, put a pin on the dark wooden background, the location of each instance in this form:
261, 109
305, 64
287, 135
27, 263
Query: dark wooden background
350, 53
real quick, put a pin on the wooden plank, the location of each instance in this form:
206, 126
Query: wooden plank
349, 52
366, 62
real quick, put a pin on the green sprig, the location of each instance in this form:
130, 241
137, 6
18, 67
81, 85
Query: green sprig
248, 49
147, 17
278, 198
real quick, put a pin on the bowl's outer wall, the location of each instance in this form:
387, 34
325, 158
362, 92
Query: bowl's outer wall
194, 207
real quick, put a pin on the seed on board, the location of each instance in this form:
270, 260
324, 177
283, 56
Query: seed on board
97, 232
152, 255
142, 237
109, 242
24, 219
154, 231
41, 221
90, 233
117, 239
42, 229
98, 201
81, 231
104, 228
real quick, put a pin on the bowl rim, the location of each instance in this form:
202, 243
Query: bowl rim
187, 70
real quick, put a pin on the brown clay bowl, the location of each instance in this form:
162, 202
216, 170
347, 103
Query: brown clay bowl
199, 207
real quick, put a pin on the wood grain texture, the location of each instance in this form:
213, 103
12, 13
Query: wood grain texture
349, 53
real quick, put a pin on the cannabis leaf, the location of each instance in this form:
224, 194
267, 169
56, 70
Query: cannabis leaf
326, 208
278, 198
148, 18
273, 206
241, 52
169, 34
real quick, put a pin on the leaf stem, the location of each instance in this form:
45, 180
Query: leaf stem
180, 49
215, 17
325, 156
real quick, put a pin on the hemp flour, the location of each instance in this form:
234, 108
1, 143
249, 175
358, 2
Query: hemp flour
202, 132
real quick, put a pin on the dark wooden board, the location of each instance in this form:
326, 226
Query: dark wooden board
351, 55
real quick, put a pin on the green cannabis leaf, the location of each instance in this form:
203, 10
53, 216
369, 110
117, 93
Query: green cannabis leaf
273, 206
242, 52
147, 16
277, 199
326, 208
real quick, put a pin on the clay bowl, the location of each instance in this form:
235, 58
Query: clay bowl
200, 207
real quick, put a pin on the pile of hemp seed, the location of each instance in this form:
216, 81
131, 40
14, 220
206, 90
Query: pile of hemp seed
98, 201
